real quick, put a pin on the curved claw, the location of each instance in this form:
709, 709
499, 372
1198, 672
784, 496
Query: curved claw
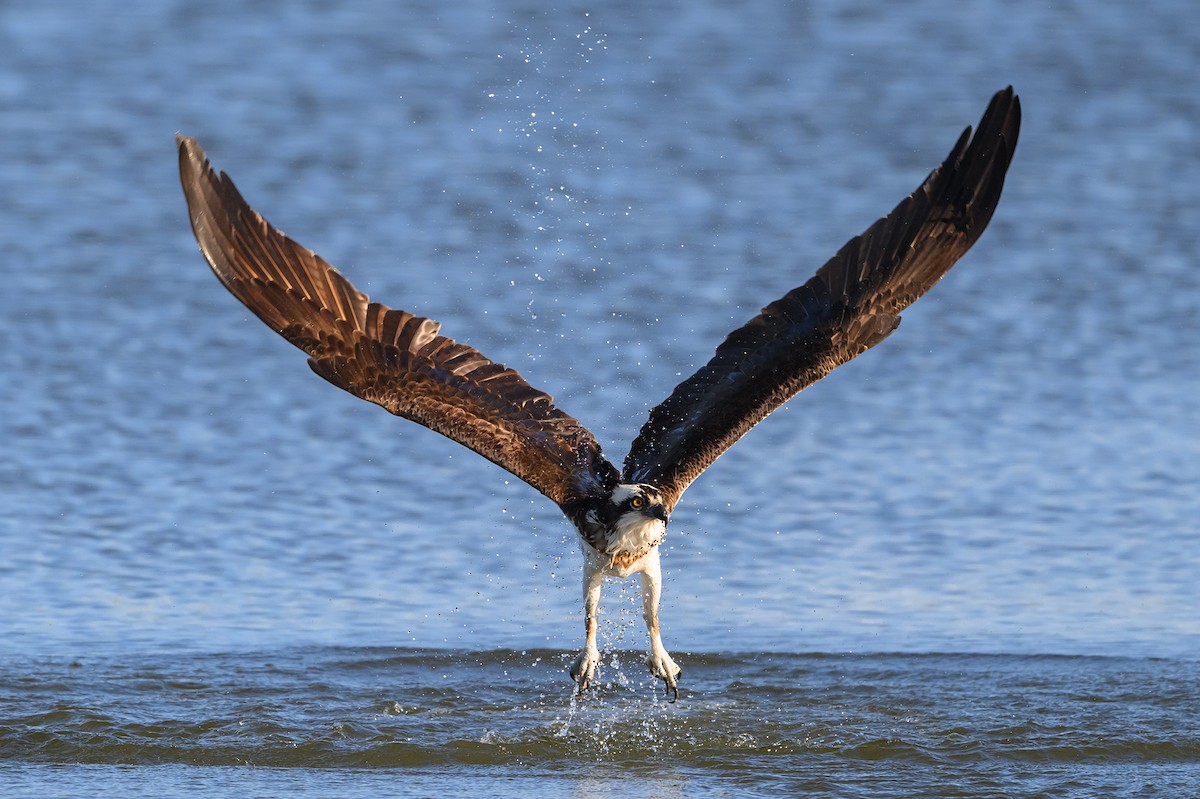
667, 670
584, 668
673, 685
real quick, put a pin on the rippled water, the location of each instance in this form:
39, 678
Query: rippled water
822, 724
210, 558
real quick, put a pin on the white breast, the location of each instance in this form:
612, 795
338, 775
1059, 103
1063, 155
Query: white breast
635, 533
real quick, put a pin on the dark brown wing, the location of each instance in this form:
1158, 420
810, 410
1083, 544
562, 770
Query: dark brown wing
388, 357
849, 306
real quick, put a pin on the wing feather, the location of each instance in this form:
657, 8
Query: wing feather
849, 306
389, 357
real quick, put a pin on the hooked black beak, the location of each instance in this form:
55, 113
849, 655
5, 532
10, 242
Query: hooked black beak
658, 512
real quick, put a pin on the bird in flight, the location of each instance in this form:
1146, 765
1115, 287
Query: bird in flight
401, 362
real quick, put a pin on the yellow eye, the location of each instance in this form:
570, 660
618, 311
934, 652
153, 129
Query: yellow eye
637, 502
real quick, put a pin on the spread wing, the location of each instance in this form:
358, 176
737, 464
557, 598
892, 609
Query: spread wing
849, 306
386, 356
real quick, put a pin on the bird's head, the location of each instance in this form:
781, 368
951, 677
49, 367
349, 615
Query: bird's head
638, 499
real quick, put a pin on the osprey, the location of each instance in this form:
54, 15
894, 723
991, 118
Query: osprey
400, 361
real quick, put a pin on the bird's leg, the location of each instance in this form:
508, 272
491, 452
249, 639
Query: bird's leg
660, 662
584, 668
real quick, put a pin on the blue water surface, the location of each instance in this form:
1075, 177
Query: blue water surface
596, 195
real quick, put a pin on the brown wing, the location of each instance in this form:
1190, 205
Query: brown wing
385, 356
849, 306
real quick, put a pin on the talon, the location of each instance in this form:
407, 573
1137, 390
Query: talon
673, 685
583, 670
667, 670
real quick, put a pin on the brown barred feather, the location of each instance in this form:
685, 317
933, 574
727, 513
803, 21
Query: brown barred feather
389, 357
